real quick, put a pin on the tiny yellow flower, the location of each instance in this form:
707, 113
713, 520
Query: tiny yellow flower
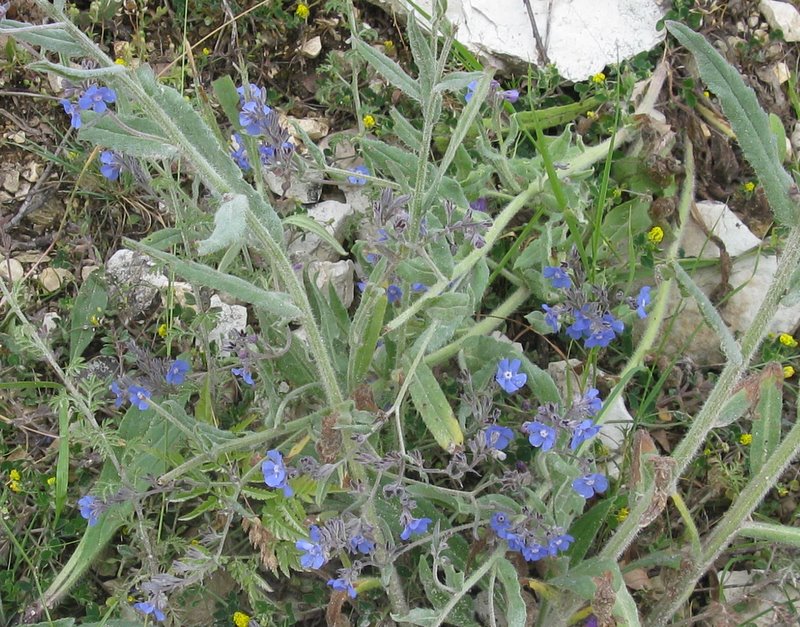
622, 514
94, 320
655, 235
240, 619
599, 78
787, 340
707, 94
369, 121
302, 12
592, 115
788, 372
162, 330
782, 490
707, 451
746, 439
119, 61
51, 481
749, 187
206, 51
14, 475
388, 45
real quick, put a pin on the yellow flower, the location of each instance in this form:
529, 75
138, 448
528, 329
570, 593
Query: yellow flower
592, 115
51, 481
655, 235
622, 514
240, 619
707, 94
120, 61
749, 187
599, 78
162, 330
782, 490
388, 45
302, 12
14, 475
13, 480
787, 340
369, 121
707, 451
746, 439
788, 372
206, 51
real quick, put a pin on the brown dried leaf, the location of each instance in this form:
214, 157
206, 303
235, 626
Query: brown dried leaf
330, 441
263, 540
636, 579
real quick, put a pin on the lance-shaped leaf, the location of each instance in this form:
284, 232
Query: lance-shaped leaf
77, 74
434, 408
390, 70
767, 418
229, 225
52, 37
104, 130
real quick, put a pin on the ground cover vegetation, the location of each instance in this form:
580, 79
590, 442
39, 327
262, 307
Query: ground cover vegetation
437, 448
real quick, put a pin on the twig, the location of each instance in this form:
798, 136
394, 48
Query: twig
540, 47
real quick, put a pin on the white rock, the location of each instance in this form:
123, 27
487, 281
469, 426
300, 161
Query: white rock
763, 603
134, 274
312, 47
581, 37
11, 181
335, 216
11, 268
50, 321
315, 128
339, 274
231, 318
783, 16
53, 279
750, 277
304, 192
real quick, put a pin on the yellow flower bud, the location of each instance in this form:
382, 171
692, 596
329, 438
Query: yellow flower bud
655, 235
599, 78
240, 619
746, 439
788, 372
302, 12
369, 121
787, 340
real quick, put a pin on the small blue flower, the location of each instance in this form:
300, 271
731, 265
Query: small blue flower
119, 393
149, 609
244, 373
581, 326
97, 98
604, 332
394, 293
540, 435
497, 437
500, 524
359, 180
177, 372
90, 509
534, 552
275, 472
584, 431
560, 544
253, 117
510, 95
558, 277
110, 165
590, 484
590, 402
471, 90
256, 93
419, 288
480, 204
361, 544
73, 111
314, 556
239, 155
551, 317
139, 396
508, 376
415, 527
344, 585
642, 301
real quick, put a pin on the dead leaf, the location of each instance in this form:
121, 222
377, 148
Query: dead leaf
636, 579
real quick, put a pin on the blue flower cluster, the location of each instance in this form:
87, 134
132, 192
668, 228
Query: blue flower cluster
91, 508
110, 164
259, 120
276, 474
532, 545
496, 95
93, 98
149, 609
591, 320
138, 395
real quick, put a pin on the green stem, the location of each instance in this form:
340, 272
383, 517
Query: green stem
776, 534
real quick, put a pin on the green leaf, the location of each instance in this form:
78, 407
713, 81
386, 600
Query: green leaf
733, 409
277, 303
423, 55
365, 330
456, 81
747, 119
434, 408
90, 302
229, 225
586, 528
780, 135
462, 614
53, 38
77, 74
303, 221
516, 611
767, 417
228, 98
105, 131
405, 131
390, 70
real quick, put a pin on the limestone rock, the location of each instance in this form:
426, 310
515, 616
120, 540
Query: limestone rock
783, 16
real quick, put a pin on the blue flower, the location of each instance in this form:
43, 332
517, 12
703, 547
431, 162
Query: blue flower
590, 484
540, 435
581, 326
90, 508
239, 155
394, 293
604, 331
510, 95
642, 301
73, 111
534, 552
359, 180
500, 524
362, 544
418, 288
149, 608
139, 396
97, 98
275, 473
177, 372
560, 543
343, 584
253, 117
244, 373
497, 437
110, 165
256, 93
590, 403
558, 277
551, 317
314, 554
508, 376
584, 431
119, 393
416, 526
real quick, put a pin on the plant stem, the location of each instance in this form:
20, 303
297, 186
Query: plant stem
776, 534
